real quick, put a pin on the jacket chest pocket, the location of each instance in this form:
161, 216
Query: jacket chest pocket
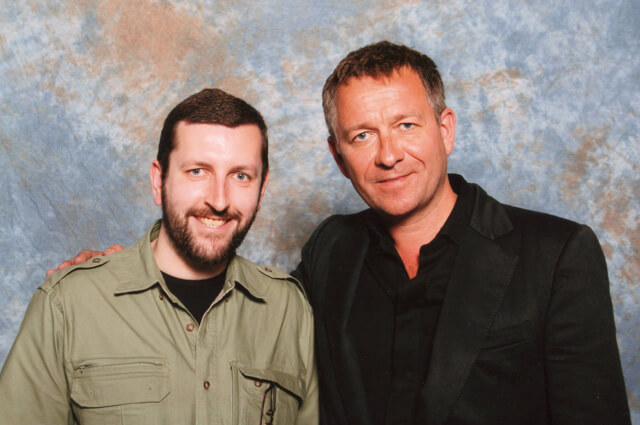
264, 396
121, 391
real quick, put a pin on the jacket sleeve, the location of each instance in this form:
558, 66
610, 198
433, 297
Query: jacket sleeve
309, 257
33, 384
584, 377
308, 414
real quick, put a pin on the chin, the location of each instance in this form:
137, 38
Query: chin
394, 213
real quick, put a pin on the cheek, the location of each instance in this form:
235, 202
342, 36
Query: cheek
184, 195
358, 163
431, 152
245, 200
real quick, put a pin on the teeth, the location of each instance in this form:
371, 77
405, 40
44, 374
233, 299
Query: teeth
211, 222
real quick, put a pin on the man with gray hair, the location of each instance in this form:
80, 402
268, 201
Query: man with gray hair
440, 305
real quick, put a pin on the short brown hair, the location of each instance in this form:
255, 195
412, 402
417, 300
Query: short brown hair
210, 106
382, 59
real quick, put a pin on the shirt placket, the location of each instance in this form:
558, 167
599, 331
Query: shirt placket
205, 373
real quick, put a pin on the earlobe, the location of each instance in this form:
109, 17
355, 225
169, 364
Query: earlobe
333, 148
155, 176
448, 129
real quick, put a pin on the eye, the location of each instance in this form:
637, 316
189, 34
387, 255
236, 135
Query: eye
407, 125
243, 177
196, 172
361, 136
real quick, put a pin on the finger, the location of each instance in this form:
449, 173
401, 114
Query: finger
113, 249
64, 264
50, 271
82, 256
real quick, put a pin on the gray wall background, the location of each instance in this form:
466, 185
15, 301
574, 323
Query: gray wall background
546, 95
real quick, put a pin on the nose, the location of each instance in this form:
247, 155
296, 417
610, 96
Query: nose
217, 196
389, 151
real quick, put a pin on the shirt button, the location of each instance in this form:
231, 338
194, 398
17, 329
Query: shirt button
257, 383
207, 385
189, 327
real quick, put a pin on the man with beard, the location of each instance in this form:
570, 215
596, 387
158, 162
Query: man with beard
177, 328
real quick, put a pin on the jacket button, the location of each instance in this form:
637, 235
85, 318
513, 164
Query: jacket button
96, 260
207, 385
257, 383
189, 327
161, 296
268, 269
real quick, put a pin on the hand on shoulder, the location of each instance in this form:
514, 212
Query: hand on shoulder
85, 255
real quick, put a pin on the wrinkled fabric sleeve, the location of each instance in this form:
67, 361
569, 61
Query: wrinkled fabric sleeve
33, 384
584, 377
308, 414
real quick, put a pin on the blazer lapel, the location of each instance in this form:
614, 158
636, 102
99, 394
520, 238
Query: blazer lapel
482, 271
347, 260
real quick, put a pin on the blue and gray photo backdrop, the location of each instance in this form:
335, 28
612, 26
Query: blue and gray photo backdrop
546, 94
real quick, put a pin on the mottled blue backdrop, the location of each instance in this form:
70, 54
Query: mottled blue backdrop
546, 95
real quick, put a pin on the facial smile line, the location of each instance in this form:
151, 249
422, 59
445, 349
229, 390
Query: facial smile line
392, 179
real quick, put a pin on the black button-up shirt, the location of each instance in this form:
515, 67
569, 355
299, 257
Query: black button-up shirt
393, 319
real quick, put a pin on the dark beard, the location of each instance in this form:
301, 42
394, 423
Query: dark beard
177, 228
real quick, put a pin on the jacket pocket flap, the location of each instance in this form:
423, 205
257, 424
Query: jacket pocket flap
286, 381
101, 385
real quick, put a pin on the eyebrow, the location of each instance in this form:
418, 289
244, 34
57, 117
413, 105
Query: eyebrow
395, 118
201, 164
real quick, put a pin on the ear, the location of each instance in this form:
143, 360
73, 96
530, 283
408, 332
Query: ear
262, 190
448, 129
333, 147
155, 175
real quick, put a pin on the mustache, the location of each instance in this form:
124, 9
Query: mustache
213, 214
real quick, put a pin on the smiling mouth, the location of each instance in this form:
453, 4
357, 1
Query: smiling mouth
212, 223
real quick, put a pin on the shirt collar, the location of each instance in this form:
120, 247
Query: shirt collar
460, 215
453, 227
139, 270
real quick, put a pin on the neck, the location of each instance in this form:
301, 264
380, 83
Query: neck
409, 234
173, 263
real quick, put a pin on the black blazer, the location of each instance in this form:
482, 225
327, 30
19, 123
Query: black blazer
525, 335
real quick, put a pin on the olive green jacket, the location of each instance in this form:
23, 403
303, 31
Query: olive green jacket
105, 342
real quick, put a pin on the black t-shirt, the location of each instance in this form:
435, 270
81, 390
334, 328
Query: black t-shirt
196, 295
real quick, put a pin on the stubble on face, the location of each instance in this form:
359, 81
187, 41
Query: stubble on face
219, 249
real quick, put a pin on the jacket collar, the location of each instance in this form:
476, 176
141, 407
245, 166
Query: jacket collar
487, 216
482, 272
346, 262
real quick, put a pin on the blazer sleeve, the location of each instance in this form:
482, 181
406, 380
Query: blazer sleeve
584, 377
312, 258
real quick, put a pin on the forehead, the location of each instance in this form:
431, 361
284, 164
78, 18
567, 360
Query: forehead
401, 90
404, 77
214, 142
